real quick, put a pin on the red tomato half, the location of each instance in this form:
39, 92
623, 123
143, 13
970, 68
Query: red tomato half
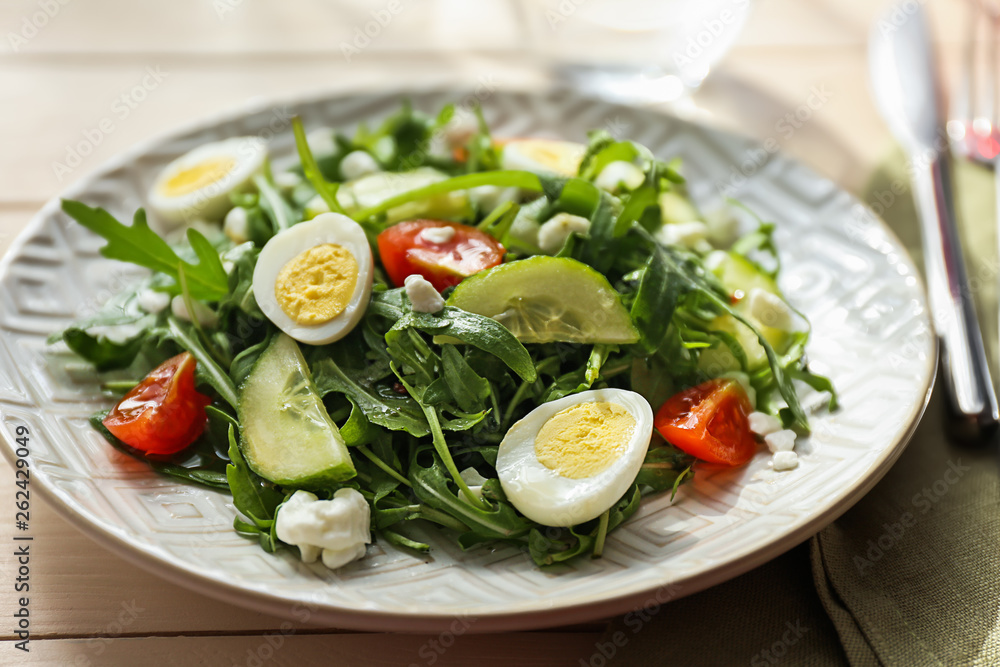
164, 413
405, 251
709, 422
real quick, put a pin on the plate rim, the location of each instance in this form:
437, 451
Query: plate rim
636, 596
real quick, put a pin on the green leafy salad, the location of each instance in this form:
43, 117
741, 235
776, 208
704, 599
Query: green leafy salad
420, 332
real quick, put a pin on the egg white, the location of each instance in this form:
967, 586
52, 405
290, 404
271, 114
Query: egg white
211, 201
545, 496
285, 246
519, 154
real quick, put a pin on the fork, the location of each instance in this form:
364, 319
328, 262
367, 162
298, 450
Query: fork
973, 126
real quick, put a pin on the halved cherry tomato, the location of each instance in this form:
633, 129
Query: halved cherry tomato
709, 422
406, 251
164, 413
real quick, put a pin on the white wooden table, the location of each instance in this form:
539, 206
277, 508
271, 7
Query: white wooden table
60, 80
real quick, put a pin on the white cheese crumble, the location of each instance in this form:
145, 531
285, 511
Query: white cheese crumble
764, 424
236, 225
314, 207
423, 296
152, 301
554, 232
321, 141
691, 234
619, 175
770, 309
785, 461
357, 164
338, 528
205, 315
723, 228
474, 481
438, 235
287, 180
488, 197
780, 441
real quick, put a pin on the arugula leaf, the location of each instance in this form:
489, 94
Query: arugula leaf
500, 522
468, 388
662, 467
199, 463
400, 413
255, 498
103, 353
139, 244
482, 332
325, 189
208, 368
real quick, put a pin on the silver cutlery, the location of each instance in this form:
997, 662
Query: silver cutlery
907, 93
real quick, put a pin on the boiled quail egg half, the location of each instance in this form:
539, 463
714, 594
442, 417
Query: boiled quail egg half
197, 185
570, 460
314, 279
543, 156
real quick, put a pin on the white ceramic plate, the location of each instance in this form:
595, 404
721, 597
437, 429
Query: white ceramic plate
844, 270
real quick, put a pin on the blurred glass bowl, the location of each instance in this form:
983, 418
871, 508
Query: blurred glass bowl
637, 51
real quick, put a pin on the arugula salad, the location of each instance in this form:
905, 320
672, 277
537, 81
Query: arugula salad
420, 329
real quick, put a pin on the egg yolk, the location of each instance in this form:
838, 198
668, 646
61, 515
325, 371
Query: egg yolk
197, 176
559, 157
317, 284
584, 439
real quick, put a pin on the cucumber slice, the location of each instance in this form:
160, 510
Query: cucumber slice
287, 436
738, 273
374, 189
546, 299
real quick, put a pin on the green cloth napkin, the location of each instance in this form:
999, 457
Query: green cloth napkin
909, 576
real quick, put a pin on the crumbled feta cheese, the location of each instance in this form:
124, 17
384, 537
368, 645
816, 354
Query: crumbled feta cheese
619, 175
441, 234
780, 441
152, 301
236, 225
488, 197
723, 228
287, 180
423, 296
764, 424
314, 207
474, 481
321, 141
785, 461
460, 129
339, 528
228, 266
205, 315
691, 234
715, 259
116, 333
770, 310
554, 232
357, 164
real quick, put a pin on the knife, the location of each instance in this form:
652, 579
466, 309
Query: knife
907, 92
